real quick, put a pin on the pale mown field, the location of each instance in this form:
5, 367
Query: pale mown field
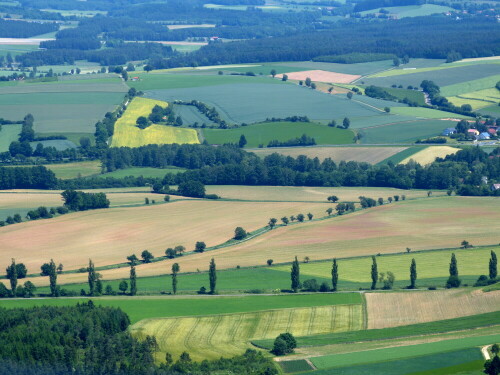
210, 337
372, 155
127, 134
108, 236
397, 309
433, 223
429, 154
311, 194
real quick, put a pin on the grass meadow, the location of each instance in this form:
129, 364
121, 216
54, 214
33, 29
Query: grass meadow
8, 134
263, 133
470, 86
143, 171
127, 134
209, 337
74, 170
372, 155
425, 113
429, 154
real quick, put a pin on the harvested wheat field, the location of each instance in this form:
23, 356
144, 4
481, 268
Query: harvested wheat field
321, 76
398, 309
210, 337
433, 223
372, 155
428, 155
108, 236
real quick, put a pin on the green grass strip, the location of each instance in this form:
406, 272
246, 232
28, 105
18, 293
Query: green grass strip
441, 326
402, 155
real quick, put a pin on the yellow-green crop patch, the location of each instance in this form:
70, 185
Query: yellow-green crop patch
209, 337
425, 113
477, 99
127, 134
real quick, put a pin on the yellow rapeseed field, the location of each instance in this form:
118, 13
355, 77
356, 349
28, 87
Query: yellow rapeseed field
429, 154
127, 134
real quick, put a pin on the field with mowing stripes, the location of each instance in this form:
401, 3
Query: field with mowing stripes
429, 154
210, 337
398, 309
127, 134
477, 99
372, 155
470, 86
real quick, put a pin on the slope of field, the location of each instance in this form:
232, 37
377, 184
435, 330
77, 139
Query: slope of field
263, 133
412, 10
74, 170
443, 75
405, 132
210, 337
477, 99
398, 309
470, 86
255, 102
425, 113
8, 134
433, 223
142, 171
108, 236
127, 134
372, 155
158, 307
432, 267
65, 111
308, 194
356, 69
321, 76
429, 154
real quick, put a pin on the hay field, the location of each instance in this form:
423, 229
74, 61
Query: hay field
430, 265
309, 194
372, 155
397, 309
433, 223
470, 86
477, 99
211, 337
108, 236
321, 76
74, 170
429, 154
127, 134
425, 113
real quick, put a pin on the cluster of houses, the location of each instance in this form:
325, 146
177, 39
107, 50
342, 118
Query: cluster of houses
491, 132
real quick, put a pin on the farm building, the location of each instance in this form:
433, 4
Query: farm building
483, 136
448, 131
473, 131
495, 187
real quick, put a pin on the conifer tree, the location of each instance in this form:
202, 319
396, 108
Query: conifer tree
13, 277
91, 277
374, 273
212, 275
53, 279
335, 275
493, 265
413, 274
295, 275
175, 269
133, 281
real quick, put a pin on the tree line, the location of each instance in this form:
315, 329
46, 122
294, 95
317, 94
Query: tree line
22, 29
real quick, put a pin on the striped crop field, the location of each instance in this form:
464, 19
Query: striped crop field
429, 154
477, 99
127, 134
210, 337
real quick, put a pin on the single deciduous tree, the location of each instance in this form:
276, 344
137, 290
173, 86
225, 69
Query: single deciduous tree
147, 257
92, 278
200, 246
29, 289
123, 286
240, 233
13, 277
310, 216
493, 268
349, 95
272, 222
300, 217
285, 221
269, 262
175, 270
133, 281
273, 72
329, 211
54, 291
243, 141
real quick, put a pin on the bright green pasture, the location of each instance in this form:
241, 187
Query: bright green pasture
430, 264
441, 326
400, 156
15, 50
413, 95
74, 170
282, 131
406, 132
141, 308
493, 110
379, 355
470, 86
8, 134
145, 172
467, 358
425, 112
155, 81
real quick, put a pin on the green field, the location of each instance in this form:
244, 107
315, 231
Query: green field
412, 95
15, 50
145, 172
359, 69
449, 74
255, 102
402, 155
74, 170
462, 359
263, 133
210, 337
412, 10
197, 306
440, 326
425, 113
406, 132
477, 99
470, 86
8, 134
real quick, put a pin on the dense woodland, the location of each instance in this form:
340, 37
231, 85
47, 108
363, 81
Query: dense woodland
425, 37
21, 29
90, 340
